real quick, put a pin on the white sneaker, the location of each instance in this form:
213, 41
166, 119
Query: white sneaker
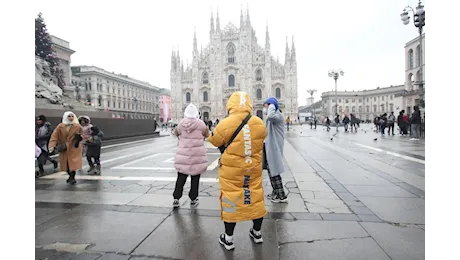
412, 139
256, 236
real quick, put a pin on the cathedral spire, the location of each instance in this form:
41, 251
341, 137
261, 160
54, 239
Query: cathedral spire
211, 32
195, 46
287, 57
267, 39
248, 20
217, 22
293, 56
241, 19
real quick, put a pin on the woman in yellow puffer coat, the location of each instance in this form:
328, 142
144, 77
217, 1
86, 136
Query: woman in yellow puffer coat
240, 171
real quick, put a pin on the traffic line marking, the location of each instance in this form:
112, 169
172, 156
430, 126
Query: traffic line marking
392, 153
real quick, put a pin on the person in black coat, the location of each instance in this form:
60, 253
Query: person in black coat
416, 122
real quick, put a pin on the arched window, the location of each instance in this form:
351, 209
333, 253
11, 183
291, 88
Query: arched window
411, 59
89, 86
99, 100
258, 75
375, 108
278, 93
188, 97
360, 109
259, 94
86, 86
205, 96
367, 109
205, 78
231, 53
347, 109
231, 80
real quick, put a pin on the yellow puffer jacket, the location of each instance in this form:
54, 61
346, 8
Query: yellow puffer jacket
240, 172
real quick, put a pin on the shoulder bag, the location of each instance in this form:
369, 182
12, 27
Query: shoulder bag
245, 121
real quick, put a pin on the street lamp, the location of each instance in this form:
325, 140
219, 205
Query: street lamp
419, 22
335, 75
311, 92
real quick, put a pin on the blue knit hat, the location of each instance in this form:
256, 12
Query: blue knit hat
273, 101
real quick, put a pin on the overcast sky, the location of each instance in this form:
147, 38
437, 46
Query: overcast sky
363, 37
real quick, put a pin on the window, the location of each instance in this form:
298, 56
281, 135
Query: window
278, 92
187, 97
391, 97
231, 53
258, 75
89, 85
353, 100
391, 107
375, 108
333, 100
367, 109
353, 109
347, 109
340, 100
411, 59
99, 100
205, 96
205, 78
367, 100
360, 100
382, 108
346, 100
231, 80
259, 94
375, 99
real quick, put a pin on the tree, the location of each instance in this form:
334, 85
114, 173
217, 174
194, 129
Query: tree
43, 47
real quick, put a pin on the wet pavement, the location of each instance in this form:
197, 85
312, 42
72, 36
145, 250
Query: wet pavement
349, 198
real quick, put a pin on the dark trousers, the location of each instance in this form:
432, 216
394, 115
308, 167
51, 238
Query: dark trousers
180, 182
230, 226
97, 160
391, 128
382, 128
41, 160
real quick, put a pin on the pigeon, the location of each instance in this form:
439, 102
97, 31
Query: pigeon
375, 139
332, 138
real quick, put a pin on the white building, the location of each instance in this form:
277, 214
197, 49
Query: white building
364, 104
412, 72
63, 52
233, 61
129, 97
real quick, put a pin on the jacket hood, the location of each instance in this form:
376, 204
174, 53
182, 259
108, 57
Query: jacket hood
66, 121
190, 124
191, 111
86, 117
273, 101
239, 102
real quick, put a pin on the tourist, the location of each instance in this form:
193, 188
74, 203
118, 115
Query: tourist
391, 123
66, 140
94, 144
383, 123
288, 121
240, 168
274, 147
328, 124
346, 121
85, 122
353, 123
337, 122
42, 135
191, 158
416, 123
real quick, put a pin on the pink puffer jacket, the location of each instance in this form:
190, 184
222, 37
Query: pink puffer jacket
191, 155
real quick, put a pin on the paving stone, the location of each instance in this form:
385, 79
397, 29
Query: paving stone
154, 210
43, 215
369, 218
293, 190
313, 186
343, 249
87, 256
361, 210
337, 187
379, 191
42, 254
325, 195
326, 206
339, 216
87, 197
397, 210
279, 215
114, 257
306, 216
291, 185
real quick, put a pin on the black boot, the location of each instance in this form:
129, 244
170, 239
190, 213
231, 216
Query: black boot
71, 179
55, 163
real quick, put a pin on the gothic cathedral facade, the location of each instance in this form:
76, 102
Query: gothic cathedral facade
233, 61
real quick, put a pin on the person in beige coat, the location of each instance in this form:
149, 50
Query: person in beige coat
66, 139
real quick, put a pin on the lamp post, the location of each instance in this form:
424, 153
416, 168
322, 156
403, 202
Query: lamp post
335, 75
311, 92
419, 22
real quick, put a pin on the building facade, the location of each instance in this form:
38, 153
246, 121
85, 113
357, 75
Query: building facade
165, 105
364, 104
233, 61
127, 97
63, 52
412, 72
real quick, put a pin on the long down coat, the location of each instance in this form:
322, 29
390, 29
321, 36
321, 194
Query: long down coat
240, 172
73, 156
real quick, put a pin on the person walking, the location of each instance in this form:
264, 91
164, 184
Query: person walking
66, 139
416, 123
240, 138
191, 158
94, 144
346, 121
337, 122
328, 124
383, 123
391, 123
288, 122
85, 123
42, 136
274, 148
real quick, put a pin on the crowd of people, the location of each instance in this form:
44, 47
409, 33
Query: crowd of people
247, 145
72, 139
412, 124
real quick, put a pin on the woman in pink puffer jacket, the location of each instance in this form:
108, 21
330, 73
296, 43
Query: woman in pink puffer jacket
191, 158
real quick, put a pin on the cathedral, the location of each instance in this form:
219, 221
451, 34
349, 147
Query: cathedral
233, 61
